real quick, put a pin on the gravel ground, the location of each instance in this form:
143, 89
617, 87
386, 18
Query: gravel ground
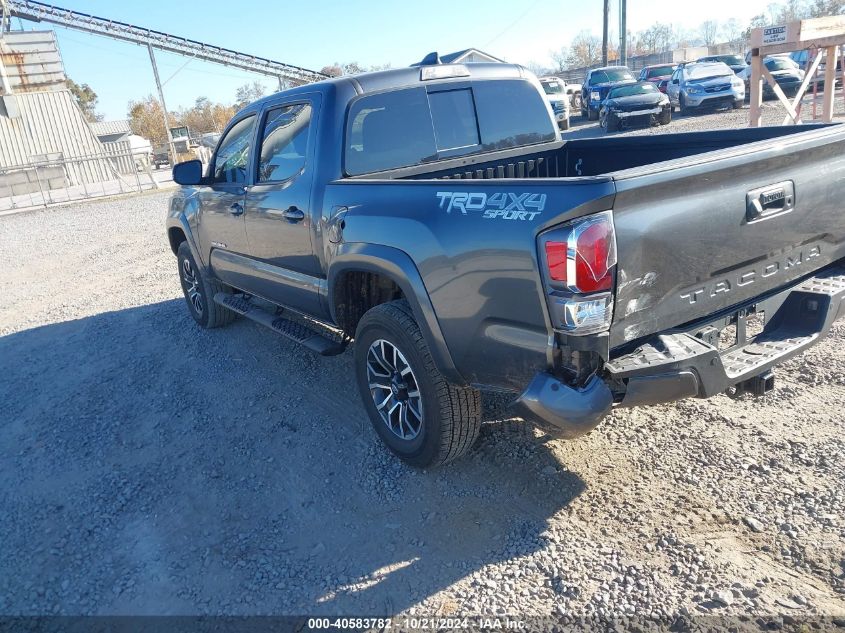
150, 467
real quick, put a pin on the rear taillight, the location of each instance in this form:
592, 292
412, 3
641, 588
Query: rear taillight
585, 261
580, 261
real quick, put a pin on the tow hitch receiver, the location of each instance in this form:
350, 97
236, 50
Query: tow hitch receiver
757, 386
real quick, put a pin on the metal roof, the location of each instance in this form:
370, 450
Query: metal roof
32, 61
111, 127
458, 56
46, 123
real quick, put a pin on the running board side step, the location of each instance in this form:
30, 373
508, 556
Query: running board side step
294, 330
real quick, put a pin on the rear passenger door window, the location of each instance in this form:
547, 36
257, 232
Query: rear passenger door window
284, 143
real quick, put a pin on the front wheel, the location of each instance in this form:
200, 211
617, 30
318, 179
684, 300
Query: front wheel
199, 291
685, 111
422, 418
665, 117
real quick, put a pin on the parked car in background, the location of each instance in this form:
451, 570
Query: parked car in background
634, 104
705, 85
786, 73
662, 85
597, 84
657, 73
555, 89
735, 62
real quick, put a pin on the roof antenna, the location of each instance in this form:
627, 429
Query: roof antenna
432, 59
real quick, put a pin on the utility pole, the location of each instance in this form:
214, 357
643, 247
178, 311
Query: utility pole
623, 32
604, 32
163, 107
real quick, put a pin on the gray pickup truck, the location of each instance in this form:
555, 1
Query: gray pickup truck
434, 216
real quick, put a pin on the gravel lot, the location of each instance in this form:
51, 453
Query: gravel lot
147, 467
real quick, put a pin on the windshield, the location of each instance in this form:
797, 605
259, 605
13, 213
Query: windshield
609, 75
780, 63
705, 71
552, 87
660, 71
630, 91
730, 60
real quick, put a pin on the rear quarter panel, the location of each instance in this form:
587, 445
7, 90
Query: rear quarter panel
481, 273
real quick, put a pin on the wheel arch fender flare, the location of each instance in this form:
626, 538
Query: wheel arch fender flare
182, 222
397, 266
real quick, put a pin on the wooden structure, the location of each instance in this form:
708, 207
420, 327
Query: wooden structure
824, 35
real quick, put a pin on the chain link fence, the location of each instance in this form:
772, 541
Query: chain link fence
53, 178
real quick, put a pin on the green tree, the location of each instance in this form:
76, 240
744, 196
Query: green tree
86, 99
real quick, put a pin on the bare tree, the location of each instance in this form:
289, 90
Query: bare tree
822, 8
709, 32
732, 31
657, 38
538, 68
561, 58
585, 50
332, 71
248, 93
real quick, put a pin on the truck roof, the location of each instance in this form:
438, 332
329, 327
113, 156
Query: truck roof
399, 78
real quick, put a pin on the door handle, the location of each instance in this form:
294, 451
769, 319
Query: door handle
236, 209
292, 214
770, 200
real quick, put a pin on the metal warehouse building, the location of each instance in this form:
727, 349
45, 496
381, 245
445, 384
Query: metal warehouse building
45, 140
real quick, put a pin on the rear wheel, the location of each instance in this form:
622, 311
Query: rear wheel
199, 292
422, 418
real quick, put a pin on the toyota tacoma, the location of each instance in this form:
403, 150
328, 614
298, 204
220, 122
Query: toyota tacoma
433, 217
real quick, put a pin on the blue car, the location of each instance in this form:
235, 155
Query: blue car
597, 84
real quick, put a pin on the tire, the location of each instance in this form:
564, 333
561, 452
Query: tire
199, 291
666, 117
592, 116
564, 125
683, 106
449, 417
612, 123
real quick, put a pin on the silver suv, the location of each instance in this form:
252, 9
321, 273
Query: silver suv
705, 84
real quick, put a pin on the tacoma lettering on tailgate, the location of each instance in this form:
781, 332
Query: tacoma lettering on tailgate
724, 285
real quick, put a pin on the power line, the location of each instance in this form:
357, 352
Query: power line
514, 23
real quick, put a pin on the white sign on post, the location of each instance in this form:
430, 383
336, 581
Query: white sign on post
774, 35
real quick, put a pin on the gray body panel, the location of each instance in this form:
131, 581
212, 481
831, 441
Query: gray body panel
679, 204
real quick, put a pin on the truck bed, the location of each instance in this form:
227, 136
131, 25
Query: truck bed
594, 156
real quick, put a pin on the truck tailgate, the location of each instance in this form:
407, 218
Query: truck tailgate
701, 234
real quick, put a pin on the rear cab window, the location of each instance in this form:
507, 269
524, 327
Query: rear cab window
410, 126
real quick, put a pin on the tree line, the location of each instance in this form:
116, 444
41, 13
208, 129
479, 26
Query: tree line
585, 48
145, 115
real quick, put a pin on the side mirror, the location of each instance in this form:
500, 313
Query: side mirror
188, 173
676, 81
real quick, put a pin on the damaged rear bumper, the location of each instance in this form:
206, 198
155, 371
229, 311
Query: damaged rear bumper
687, 363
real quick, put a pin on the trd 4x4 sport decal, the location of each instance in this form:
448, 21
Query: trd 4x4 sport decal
497, 206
